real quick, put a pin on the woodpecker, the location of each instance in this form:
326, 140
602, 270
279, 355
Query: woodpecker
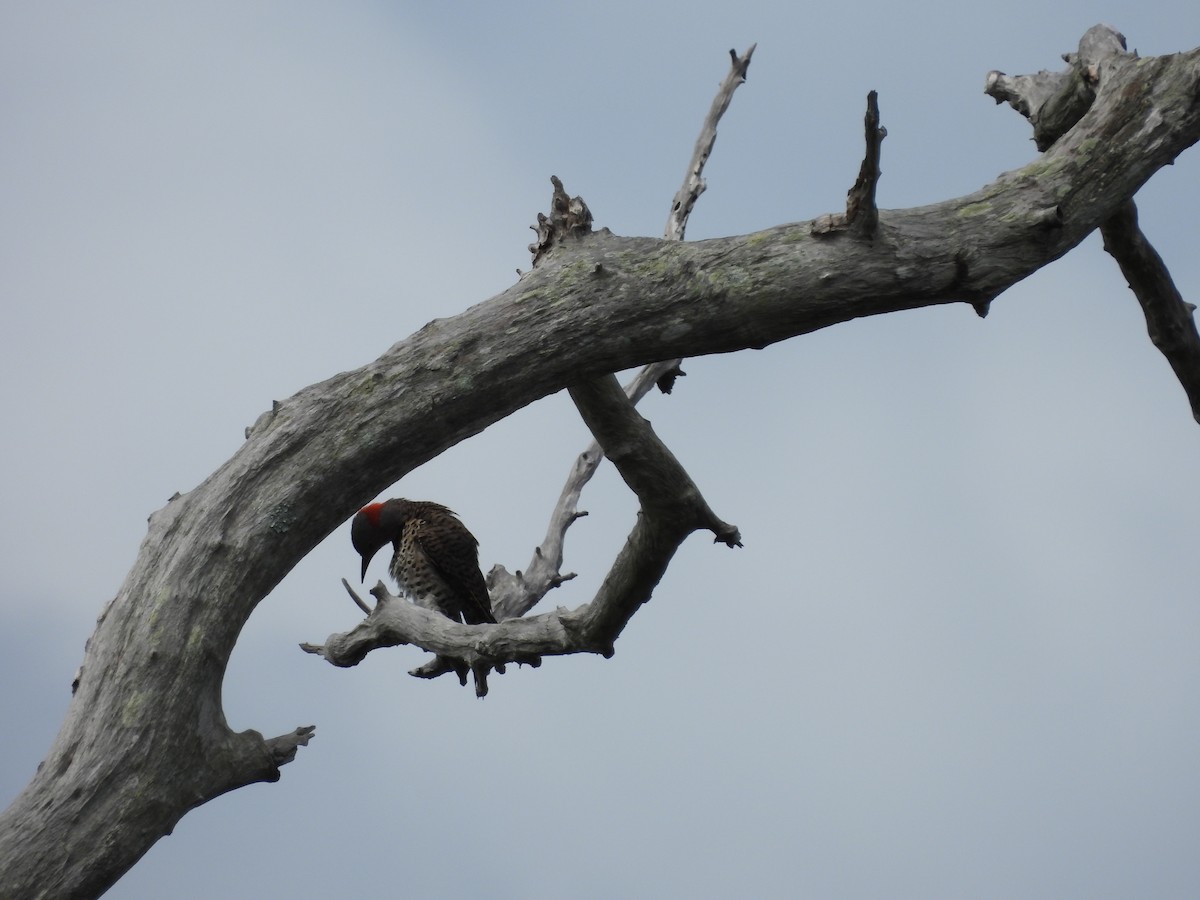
435, 560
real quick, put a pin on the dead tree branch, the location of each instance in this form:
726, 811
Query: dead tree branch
862, 215
693, 182
1054, 104
672, 508
1169, 318
145, 738
934, 254
515, 595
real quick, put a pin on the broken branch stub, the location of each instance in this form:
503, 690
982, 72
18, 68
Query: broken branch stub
862, 214
569, 218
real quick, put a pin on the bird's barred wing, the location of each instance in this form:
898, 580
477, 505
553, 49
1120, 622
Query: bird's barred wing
453, 553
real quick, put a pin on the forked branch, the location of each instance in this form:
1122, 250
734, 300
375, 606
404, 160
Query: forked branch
121, 773
641, 459
672, 508
514, 594
1054, 103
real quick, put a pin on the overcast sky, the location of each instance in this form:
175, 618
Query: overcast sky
957, 656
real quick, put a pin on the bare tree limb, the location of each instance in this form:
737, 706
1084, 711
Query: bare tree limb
672, 508
145, 738
283, 748
643, 461
515, 595
693, 182
358, 601
1054, 104
1169, 318
862, 215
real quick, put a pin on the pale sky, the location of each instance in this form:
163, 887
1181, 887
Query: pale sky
957, 656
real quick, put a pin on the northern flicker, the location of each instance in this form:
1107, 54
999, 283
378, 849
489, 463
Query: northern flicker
435, 560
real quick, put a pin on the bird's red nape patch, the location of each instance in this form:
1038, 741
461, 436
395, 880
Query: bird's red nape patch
372, 512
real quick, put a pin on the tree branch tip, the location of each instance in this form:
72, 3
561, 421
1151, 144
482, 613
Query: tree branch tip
433, 668
283, 748
358, 601
557, 580
981, 307
742, 63
729, 536
730, 540
318, 649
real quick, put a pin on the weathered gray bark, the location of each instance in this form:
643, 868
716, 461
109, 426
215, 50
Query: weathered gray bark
1054, 103
145, 739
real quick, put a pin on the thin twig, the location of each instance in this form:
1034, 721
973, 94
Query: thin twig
693, 182
357, 599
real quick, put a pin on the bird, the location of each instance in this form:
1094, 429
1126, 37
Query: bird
435, 559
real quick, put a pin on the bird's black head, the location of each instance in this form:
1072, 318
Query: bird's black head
368, 533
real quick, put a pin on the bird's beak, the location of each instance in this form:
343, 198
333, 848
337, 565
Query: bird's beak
366, 562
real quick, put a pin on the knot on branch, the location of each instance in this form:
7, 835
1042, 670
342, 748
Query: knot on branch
666, 381
569, 217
